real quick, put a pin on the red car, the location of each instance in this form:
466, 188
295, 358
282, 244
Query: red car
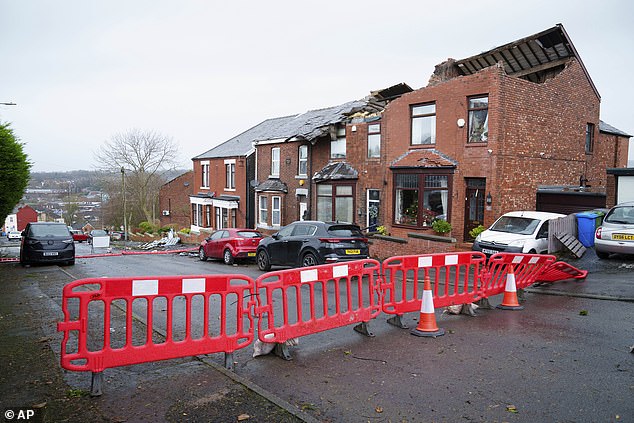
230, 244
78, 235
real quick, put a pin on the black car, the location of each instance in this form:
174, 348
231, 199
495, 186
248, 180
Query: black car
310, 243
47, 242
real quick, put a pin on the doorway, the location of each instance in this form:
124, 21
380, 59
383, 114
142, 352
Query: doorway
474, 205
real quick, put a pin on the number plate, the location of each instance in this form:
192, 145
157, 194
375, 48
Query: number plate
250, 254
350, 252
50, 253
487, 251
623, 237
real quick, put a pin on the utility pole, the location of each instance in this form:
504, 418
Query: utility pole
125, 224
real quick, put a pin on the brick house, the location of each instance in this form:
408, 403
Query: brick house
488, 130
19, 217
174, 201
223, 193
326, 167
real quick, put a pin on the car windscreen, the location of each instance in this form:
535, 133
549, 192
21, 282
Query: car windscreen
48, 230
249, 234
515, 225
349, 231
622, 215
99, 232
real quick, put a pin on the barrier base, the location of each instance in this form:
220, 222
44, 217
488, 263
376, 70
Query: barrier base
229, 361
468, 309
484, 304
521, 297
364, 329
397, 321
96, 384
433, 334
505, 307
281, 350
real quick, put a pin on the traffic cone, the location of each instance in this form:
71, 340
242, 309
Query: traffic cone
510, 302
427, 323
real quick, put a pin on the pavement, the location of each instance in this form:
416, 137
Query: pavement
564, 358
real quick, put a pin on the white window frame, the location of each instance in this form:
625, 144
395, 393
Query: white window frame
302, 159
205, 174
265, 209
276, 212
275, 162
230, 175
338, 146
369, 202
374, 134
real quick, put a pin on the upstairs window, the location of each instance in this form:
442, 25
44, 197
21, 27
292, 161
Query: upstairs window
478, 119
205, 174
230, 171
374, 141
424, 124
275, 161
302, 159
589, 138
338, 146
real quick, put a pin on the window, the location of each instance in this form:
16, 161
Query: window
338, 146
374, 141
373, 209
230, 172
424, 124
197, 215
275, 161
335, 203
478, 119
589, 138
302, 155
420, 198
205, 174
264, 214
222, 218
276, 211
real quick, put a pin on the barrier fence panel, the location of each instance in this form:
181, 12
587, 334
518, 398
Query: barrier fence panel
304, 301
181, 316
455, 279
527, 268
561, 271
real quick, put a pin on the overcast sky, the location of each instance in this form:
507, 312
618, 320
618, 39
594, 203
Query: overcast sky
202, 72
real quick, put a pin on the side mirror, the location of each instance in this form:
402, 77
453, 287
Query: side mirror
276, 235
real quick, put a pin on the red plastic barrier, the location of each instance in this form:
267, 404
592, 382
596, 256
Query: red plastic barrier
9, 259
338, 295
101, 332
455, 279
527, 268
561, 271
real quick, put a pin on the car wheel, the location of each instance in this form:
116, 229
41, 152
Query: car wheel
227, 257
309, 259
602, 255
264, 263
201, 254
532, 252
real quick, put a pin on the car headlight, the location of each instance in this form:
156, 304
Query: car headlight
516, 243
478, 238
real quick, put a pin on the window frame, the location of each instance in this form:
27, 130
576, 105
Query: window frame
205, 174
589, 143
374, 134
333, 196
302, 160
472, 110
265, 210
276, 220
275, 162
230, 175
421, 116
421, 221
339, 141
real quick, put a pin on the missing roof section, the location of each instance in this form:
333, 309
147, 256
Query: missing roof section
535, 58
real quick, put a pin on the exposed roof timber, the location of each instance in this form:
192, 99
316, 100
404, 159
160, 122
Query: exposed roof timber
529, 55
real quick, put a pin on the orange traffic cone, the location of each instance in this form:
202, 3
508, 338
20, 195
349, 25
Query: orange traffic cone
427, 322
510, 302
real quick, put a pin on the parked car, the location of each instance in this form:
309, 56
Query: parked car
517, 232
95, 233
310, 243
47, 242
14, 235
616, 233
230, 244
78, 235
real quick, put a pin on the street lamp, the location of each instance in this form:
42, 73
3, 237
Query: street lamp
125, 224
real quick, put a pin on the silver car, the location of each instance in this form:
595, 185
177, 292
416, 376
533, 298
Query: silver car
616, 234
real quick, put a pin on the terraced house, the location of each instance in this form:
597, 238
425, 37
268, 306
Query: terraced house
488, 134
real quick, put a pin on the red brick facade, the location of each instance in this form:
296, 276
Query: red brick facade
174, 201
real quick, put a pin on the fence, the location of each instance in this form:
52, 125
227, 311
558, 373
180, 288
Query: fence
110, 322
562, 225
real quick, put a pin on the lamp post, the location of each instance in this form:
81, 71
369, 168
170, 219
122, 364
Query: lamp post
125, 224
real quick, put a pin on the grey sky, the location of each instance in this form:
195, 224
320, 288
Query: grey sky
203, 71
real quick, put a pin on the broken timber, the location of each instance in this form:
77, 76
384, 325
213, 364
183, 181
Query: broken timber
572, 244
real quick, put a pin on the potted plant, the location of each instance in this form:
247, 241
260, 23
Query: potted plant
441, 226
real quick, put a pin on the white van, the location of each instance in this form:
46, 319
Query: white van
517, 232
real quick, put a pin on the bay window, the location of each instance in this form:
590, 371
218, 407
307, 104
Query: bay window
420, 198
335, 203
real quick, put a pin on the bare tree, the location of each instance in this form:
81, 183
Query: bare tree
143, 156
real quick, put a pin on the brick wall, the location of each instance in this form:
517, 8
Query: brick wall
174, 197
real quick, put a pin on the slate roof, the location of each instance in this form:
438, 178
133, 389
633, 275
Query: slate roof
609, 129
424, 158
272, 185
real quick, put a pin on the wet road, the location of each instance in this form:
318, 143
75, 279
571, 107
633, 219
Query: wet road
565, 357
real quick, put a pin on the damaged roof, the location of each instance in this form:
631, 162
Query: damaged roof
272, 185
609, 129
336, 171
532, 58
425, 157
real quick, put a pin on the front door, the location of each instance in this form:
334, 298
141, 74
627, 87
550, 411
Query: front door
474, 205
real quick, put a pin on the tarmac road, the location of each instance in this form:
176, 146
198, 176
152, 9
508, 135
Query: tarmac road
565, 357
